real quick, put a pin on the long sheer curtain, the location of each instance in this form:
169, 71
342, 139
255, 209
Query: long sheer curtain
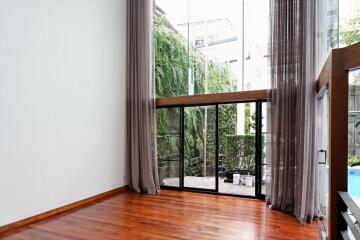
292, 144
141, 143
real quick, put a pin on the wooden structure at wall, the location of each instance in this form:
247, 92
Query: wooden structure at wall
213, 98
334, 77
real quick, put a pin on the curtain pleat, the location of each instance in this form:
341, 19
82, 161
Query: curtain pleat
141, 142
292, 108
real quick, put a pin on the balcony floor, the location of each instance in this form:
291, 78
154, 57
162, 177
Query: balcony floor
209, 183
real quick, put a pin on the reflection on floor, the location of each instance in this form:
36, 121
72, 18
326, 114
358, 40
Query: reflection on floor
169, 215
209, 183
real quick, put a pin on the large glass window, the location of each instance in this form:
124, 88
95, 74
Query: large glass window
213, 46
327, 29
349, 22
354, 136
349, 33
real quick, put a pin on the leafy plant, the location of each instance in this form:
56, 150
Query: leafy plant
350, 33
353, 160
247, 118
240, 153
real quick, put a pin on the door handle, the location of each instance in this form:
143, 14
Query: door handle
325, 152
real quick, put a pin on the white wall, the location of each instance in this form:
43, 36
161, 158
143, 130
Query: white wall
62, 103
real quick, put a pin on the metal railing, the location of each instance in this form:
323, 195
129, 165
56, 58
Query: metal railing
348, 226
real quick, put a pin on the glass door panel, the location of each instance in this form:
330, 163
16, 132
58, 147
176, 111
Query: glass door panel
323, 170
237, 148
265, 138
168, 146
200, 147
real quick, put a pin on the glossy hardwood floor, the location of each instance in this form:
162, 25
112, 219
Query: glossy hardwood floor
170, 215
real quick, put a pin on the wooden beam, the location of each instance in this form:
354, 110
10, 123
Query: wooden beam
338, 134
213, 98
334, 75
351, 60
352, 56
55, 211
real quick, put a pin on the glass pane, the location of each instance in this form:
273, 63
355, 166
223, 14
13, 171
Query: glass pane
323, 167
354, 136
171, 48
237, 148
206, 46
168, 145
213, 45
256, 45
264, 132
265, 178
265, 170
349, 19
199, 147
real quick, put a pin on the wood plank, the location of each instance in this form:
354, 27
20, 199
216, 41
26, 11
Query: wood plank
61, 209
169, 215
213, 98
338, 134
352, 56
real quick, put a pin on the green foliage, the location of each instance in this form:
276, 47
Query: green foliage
171, 64
240, 153
168, 126
194, 167
227, 124
219, 78
353, 160
350, 32
193, 141
247, 118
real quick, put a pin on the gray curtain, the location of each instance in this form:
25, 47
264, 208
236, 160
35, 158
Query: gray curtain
292, 107
140, 99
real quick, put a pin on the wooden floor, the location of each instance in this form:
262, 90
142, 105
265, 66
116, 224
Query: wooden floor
170, 215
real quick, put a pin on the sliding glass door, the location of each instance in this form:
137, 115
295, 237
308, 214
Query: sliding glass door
216, 148
323, 170
168, 146
237, 145
200, 147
